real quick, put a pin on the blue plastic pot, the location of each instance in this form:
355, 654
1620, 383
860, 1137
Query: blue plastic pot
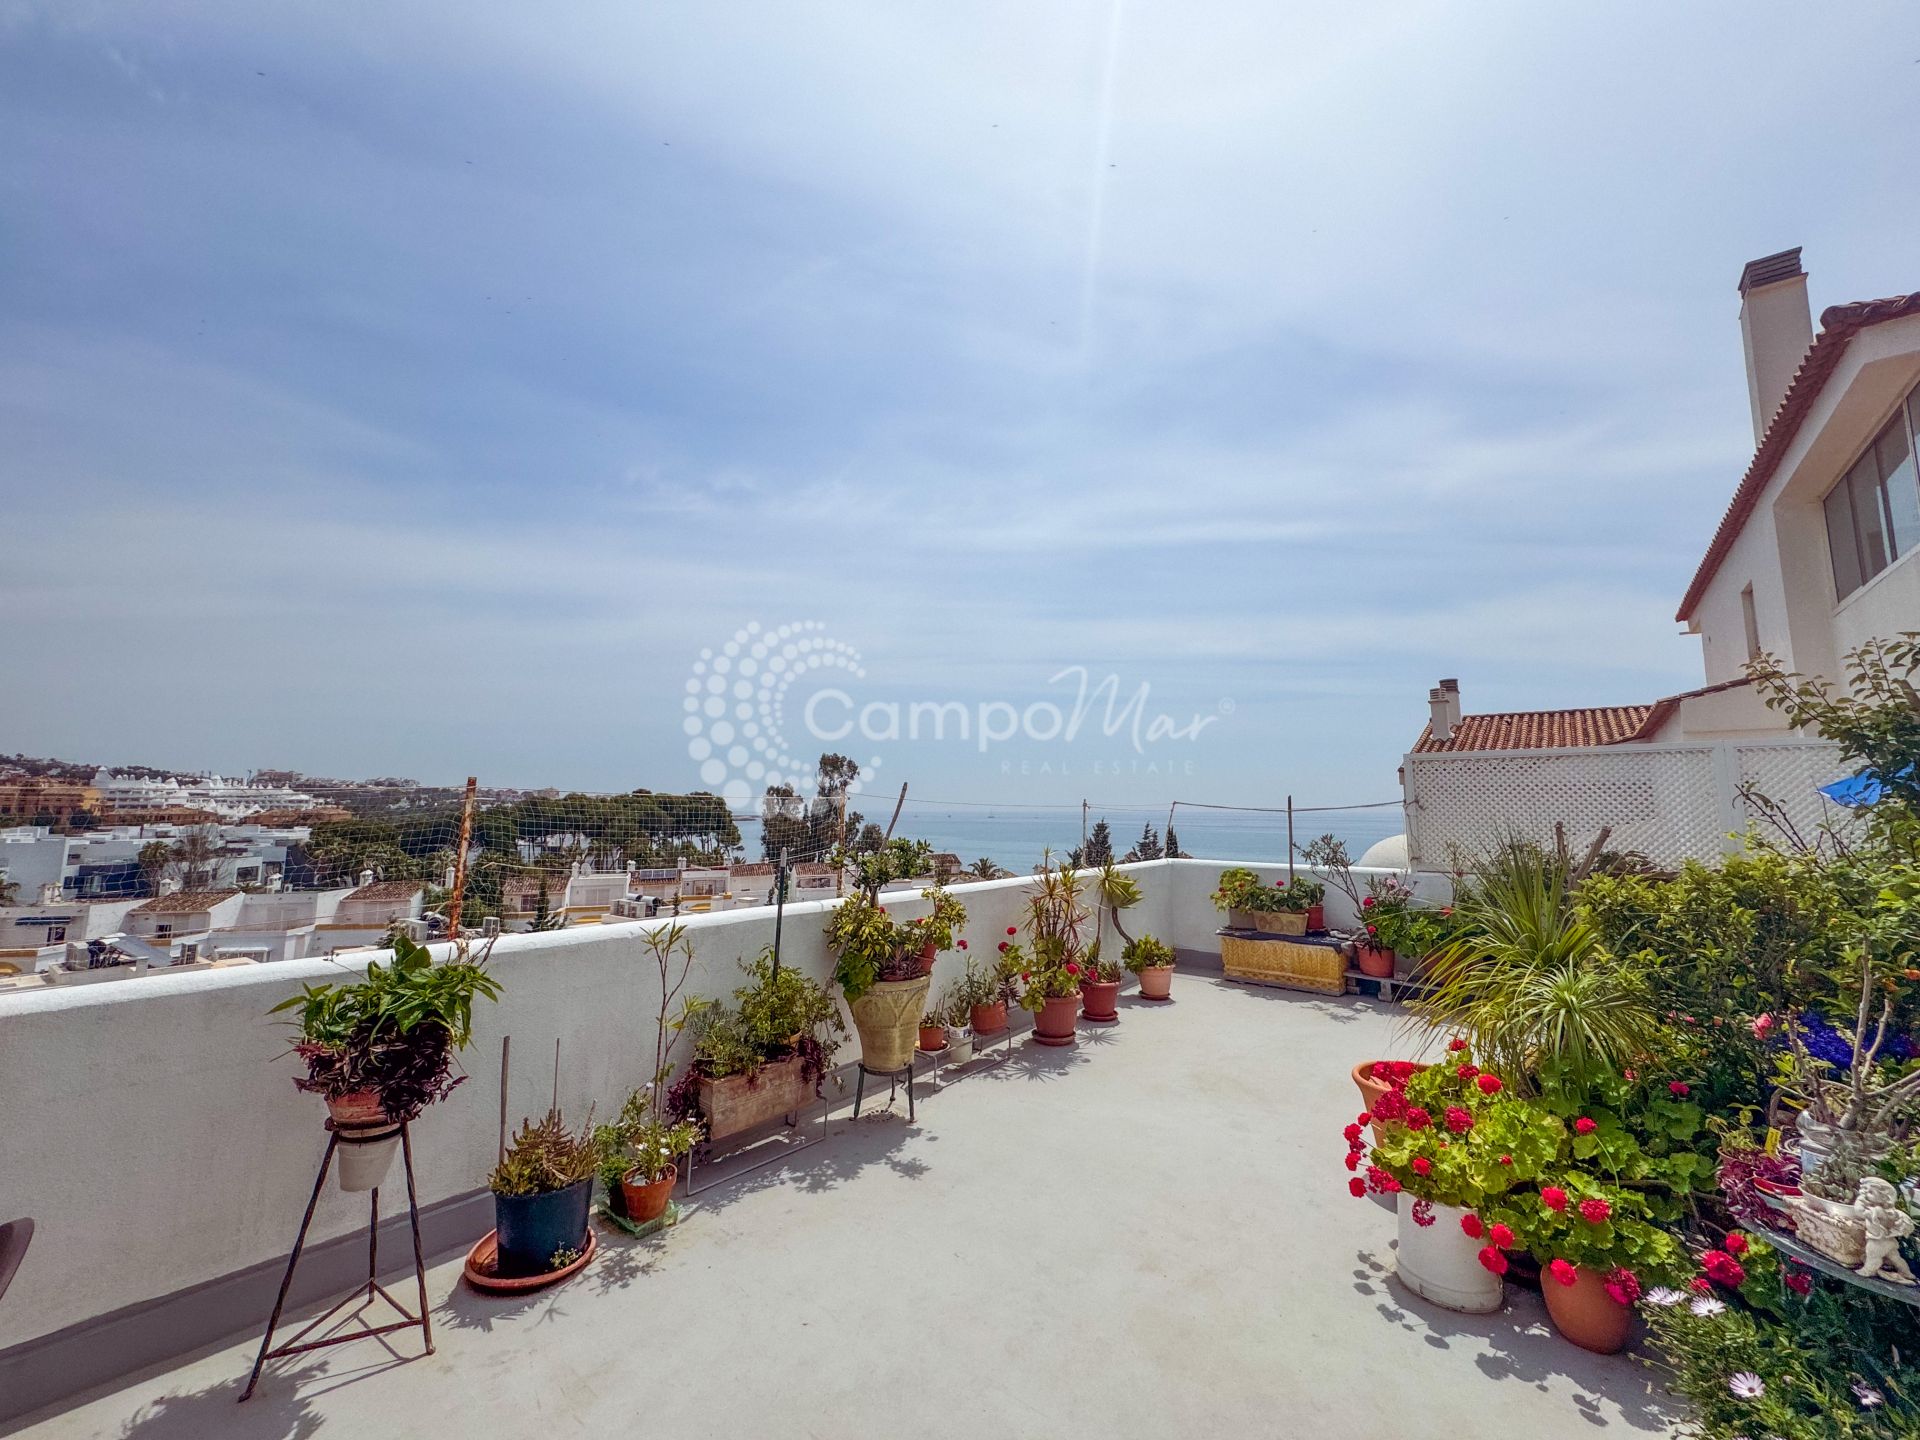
533, 1228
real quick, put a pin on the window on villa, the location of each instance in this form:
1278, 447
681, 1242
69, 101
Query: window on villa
1748, 614
1873, 514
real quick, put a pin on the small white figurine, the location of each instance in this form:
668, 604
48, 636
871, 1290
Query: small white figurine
1887, 1225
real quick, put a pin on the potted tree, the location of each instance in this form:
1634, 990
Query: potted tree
1056, 915
1385, 903
1152, 961
380, 1050
1100, 986
542, 1189
1231, 894
885, 983
761, 1056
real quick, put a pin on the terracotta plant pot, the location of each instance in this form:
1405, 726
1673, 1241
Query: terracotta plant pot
933, 1037
1316, 917
929, 953
358, 1107
1055, 1024
1156, 982
990, 1019
1371, 1089
368, 1141
1585, 1314
646, 1200
888, 1019
1373, 960
1099, 999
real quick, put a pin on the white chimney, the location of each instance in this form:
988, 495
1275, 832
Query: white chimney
1442, 718
50, 893
1451, 689
1776, 327
170, 886
366, 877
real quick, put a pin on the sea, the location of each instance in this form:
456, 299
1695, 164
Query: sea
1016, 837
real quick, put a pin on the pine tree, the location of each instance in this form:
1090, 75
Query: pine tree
1148, 847
1099, 847
1173, 850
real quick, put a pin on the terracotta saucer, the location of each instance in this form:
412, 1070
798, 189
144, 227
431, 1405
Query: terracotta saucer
483, 1259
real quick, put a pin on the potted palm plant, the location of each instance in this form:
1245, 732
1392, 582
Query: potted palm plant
1152, 961
381, 1049
1056, 915
542, 1189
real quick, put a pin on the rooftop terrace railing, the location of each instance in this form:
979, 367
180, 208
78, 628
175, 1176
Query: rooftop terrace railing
152, 1132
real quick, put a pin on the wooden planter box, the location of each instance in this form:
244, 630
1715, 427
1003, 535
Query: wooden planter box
1299, 964
740, 1103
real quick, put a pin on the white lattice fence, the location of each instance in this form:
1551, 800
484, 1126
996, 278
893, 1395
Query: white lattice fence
1669, 802
1790, 775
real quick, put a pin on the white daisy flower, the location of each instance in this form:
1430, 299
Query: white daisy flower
1746, 1385
1867, 1395
1706, 1305
1663, 1296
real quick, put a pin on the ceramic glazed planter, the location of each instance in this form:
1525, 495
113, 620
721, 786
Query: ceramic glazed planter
1156, 982
368, 1140
740, 1103
1100, 999
646, 1200
888, 1019
990, 1019
1585, 1314
932, 1038
1316, 917
1373, 960
1055, 1024
1439, 1263
1280, 922
532, 1229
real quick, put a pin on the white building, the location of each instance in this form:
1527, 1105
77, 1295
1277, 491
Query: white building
228, 799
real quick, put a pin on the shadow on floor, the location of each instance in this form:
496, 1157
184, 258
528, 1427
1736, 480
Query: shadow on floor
1341, 1009
1520, 1345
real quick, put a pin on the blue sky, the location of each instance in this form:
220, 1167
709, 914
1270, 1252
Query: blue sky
421, 392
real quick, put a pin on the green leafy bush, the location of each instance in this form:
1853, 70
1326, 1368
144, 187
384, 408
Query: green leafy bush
1146, 953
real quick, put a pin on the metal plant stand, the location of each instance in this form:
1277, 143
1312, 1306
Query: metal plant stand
300, 1344
893, 1079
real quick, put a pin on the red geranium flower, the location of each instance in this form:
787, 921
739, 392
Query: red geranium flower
1372, 931
1798, 1281
1494, 1260
1003, 946
1026, 975
1506, 1159
1595, 1212
1584, 1126
1700, 1285
1736, 1244
1365, 1119
1367, 904
1402, 1069
1456, 1043
1500, 1235
1467, 1072
1459, 1121
963, 944
1072, 969
1471, 1226
1356, 1187
1422, 1166
1418, 1118
1679, 1087
1489, 1084
1352, 1133
1563, 1272
1353, 1160
1554, 1198
1013, 929
1723, 1269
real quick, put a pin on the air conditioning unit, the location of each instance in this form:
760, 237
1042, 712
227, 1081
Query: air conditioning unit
490, 926
414, 930
189, 952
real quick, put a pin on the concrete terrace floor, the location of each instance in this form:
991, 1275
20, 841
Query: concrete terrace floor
1147, 1235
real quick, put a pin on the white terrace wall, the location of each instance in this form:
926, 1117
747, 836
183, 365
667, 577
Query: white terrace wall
1669, 802
151, 1128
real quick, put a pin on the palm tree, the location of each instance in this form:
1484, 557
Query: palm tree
985, 869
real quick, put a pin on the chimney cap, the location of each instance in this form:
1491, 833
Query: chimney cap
1771, 270
1451, 686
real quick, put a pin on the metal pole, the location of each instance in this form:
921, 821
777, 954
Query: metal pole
1289, 840
506, 1054
779, 905
1083, 826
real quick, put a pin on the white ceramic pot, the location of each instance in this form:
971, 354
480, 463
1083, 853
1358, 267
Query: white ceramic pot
1439, 1263
959, 1047
1818, 1143
364, 1165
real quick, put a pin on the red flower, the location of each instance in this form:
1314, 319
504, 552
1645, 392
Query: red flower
1013, 929
1352, 1133
1422, 1166
1367, 904
1391, 1106
1003, 947
1458, 1121
1679, 1087
1026, 975
1584, 1126
1402, 1069
1372, 931
1506, 1159
1353, 1160
1623, 1286
1630, 1074
1500, 1235
1554, 1198
1418, 1118
1798, 1281
1381, 1182
1494, 1260
1489, 1084
1365, 1119
1736, 1244
963, 944
1072, 969
1423, 1213
1563, 1272
1471, 1226
1356, 1187
1595, 1212
1723, 1269
1467, 1072
1700, 1285
1457, 1043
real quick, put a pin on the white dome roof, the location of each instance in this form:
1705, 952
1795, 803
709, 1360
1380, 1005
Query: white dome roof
1387, 854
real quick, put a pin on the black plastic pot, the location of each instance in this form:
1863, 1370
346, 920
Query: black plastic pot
533, 1228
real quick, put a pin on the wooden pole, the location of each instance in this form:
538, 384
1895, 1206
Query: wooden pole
460, 863
896, 809
779, 906
1289, 840
506, 1057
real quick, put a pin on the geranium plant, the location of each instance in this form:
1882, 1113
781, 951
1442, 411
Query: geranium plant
1233, 888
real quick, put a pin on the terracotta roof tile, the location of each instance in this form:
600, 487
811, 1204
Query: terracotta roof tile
1562, 729
1838, 325
183, 902
387, 890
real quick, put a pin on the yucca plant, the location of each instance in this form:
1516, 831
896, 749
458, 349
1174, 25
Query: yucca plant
1529, 982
